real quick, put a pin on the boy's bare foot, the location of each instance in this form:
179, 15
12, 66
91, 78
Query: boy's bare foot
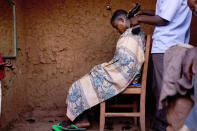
81, 123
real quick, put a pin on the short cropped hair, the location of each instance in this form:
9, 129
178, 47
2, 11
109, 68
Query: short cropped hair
118, 13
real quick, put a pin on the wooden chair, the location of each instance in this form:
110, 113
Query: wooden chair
138, 90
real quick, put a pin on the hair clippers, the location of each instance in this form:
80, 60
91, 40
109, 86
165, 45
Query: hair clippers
136, 29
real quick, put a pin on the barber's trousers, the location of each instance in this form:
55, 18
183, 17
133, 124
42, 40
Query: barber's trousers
160, 115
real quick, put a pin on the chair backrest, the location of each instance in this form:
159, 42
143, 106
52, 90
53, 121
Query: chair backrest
145, 67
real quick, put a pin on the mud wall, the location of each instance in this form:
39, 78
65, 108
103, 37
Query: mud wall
14, 96
63, 41
58, 42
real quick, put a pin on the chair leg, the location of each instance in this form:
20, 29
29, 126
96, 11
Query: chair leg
142, 118
135, 110
142, 122
102, 116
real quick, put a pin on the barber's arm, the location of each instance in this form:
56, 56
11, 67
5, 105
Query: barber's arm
152, 20
165, 13
146, 12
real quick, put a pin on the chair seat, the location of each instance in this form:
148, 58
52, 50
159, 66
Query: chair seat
132, 90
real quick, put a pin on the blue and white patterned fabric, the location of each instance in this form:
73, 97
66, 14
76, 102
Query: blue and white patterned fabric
108, 79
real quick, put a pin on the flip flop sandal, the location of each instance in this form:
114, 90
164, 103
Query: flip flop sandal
58, 127
55, 128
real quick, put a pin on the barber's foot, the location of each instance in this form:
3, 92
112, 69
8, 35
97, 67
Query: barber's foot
184, 128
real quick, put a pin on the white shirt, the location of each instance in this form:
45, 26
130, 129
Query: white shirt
178, 15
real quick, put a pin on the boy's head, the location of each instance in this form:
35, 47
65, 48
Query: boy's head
120, 21
193, 6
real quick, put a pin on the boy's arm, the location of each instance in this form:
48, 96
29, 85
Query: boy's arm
152, 20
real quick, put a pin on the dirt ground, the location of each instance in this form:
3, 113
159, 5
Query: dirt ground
39, 120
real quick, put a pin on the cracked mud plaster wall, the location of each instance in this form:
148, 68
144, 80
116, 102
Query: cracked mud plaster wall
58, 42
13, 86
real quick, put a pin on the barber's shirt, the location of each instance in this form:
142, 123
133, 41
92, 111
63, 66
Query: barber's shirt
178, 15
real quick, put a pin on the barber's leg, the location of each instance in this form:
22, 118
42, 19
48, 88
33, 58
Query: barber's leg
191, 120
161, 122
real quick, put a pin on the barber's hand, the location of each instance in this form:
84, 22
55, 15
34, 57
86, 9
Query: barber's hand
134, 21
189, 63
139, 13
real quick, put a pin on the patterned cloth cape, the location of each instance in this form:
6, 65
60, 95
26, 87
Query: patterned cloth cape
108, 79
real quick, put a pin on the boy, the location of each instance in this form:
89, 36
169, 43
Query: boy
106, 80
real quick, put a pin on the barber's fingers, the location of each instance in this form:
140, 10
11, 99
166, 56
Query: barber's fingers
139, 13
193, 68
187, 64
188, 73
